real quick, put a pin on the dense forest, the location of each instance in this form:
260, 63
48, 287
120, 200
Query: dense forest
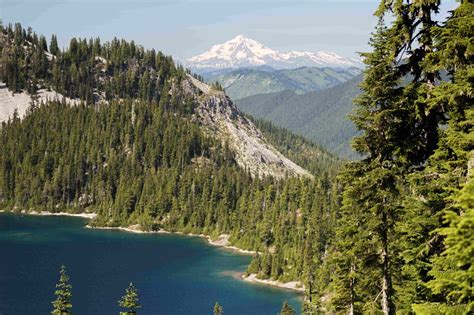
135, 159
393, 233
302, 151
321, 116
404, 239
243, 82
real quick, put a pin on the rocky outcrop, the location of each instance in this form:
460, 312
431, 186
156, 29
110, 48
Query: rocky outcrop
220, 117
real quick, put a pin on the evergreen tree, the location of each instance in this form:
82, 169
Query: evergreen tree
402, 139
431, 192
130, 299
371, 193
53, 46
62, 305
286, 309
453, 269
218, 309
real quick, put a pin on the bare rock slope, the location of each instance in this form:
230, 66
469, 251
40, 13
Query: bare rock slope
9, 101
221, 118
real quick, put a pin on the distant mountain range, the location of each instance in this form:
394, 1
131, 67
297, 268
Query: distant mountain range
243, 82
242, 51
308, 93
321, 116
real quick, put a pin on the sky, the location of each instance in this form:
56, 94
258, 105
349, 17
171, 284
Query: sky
184, 28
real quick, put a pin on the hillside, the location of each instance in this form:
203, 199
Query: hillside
221, 119
140, 142
243, 82
320, 116
104, 79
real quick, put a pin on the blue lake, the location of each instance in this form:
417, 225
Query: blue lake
173, 274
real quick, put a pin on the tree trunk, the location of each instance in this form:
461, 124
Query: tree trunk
386, 287
352, 294
387, 298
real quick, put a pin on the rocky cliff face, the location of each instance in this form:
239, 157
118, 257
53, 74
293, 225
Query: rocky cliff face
220, 117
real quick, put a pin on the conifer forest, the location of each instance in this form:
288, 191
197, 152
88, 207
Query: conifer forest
390, 232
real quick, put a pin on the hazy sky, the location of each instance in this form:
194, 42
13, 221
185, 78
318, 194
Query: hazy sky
185, 28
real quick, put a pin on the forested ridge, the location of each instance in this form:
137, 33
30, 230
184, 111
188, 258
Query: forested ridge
392, 234
321, 116
243, 82
135, 159
304, 152
87, 69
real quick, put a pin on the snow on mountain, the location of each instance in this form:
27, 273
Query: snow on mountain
242, 51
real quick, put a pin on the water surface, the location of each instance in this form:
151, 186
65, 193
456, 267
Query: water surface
174, 274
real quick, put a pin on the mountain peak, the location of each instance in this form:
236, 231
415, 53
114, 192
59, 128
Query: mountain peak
242, 51
241, 37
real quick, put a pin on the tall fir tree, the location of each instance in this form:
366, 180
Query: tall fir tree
286, 309
218, 309
130, 300
370, 202
53, 46
62, 305
429, 196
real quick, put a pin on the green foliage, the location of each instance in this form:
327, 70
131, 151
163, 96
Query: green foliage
438, 308
453, 269
62, 305
286, 309
319, 116
130, 299
244, 82
87, 69
218, 309
402, 223
146, 161
300, 150
435, 188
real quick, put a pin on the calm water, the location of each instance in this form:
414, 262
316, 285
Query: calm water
174, 274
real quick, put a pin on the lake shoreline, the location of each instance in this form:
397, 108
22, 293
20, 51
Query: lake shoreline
85, 215
292, 285
222, 241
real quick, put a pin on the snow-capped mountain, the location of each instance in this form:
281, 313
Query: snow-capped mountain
242, 51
